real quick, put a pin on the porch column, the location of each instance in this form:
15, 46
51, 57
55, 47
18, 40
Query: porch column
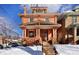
24, 33
37, 32
54, 40
75, 34
49, 34
38, 35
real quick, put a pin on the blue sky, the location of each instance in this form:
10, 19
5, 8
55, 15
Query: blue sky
9, 13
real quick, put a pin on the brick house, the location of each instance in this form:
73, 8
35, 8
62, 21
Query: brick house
39, 25
69, 31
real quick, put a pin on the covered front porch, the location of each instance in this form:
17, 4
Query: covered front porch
38, 32
72, 34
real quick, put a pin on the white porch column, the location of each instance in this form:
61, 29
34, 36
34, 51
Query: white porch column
38, 32
24, 33
38, 36
75, 34
54, 40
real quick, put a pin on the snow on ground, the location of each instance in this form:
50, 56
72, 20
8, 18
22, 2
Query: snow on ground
37, 50
29, 50
67, 49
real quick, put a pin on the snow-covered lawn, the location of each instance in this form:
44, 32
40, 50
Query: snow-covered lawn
29, 50
37, 50
67, 49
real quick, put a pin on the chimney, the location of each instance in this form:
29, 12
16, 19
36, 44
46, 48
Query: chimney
25, 10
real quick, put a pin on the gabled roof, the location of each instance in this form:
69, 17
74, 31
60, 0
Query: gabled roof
65, 14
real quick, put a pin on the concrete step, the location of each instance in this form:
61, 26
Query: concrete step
48, 49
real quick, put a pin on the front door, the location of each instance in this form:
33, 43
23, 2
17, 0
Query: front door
44, 34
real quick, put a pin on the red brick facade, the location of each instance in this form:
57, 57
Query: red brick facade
43, 26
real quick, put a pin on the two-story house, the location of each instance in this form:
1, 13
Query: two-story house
69, 31
39, 25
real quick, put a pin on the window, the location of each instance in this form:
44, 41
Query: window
39, 11
74, 19
47, 19
45, 11
31, 33
31, 19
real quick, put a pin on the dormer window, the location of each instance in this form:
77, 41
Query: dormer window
39, 9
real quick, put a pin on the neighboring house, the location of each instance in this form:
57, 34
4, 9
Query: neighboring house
39, 26
7, 36
3, 40
69, 31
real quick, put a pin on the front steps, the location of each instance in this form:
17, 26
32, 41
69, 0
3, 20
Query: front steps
48, 49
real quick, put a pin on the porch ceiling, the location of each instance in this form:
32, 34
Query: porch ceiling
41, 15
42, 26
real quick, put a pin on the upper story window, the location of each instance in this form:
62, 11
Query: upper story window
74, 19
47, 20
31, 19
39, 11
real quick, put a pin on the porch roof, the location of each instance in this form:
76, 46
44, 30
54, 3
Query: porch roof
43, 26
40, 15
73, 25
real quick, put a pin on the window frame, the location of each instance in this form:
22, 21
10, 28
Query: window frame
32, 31
31, 19
74, 19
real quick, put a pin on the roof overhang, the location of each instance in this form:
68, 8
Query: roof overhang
40, 15
43, 26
